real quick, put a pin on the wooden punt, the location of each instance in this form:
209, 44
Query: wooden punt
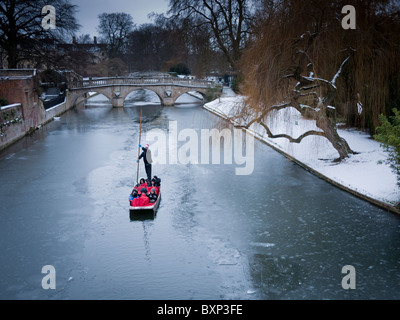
146, 210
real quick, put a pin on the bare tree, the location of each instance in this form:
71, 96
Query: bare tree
228, 20
84, 39
21, 33
148, 47
168, 42
114, 29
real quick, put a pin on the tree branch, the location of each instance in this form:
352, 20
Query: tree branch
291, 139
265, 113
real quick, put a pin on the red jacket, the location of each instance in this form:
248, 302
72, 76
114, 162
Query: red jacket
143, 201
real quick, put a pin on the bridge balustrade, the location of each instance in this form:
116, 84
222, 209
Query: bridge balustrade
139, 81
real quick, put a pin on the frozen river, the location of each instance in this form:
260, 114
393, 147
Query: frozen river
280, 233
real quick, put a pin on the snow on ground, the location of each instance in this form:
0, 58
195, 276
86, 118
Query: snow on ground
363, 172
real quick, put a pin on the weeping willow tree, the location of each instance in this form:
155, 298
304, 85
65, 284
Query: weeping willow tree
370, 85
302, 58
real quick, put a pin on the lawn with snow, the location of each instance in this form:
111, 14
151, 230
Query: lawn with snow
364, 172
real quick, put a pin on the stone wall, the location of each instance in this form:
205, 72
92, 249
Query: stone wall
11, 124
21, 90
17, 86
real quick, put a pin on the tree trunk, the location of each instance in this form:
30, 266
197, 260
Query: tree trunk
342, 147
12, 43
12, 58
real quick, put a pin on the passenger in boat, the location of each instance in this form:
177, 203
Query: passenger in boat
134, 195
143, 201
153, 196
142, 184
153, 185
157, 181
138, 185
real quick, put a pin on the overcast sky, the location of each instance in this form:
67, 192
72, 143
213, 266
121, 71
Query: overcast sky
89, 10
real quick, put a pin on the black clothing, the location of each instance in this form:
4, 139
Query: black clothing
147, 165
157, 182
144, 156
152, 197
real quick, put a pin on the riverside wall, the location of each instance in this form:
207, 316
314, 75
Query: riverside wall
25, 112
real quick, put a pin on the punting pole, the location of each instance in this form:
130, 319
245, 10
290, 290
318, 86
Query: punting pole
140, 142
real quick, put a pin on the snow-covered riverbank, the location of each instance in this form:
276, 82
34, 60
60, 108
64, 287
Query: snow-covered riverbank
364, 173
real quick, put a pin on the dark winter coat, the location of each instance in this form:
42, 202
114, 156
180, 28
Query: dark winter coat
153, 197
144, 156
157, 182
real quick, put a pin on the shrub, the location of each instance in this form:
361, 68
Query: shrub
3, 102
212, 94
236, 83
388, 133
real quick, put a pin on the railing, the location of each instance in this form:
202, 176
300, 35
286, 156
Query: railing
99, 82
10, 106
17, 73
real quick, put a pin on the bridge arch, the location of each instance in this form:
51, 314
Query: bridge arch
96, 94
105, 93
129, 91
188, 90
76, 99
79, 97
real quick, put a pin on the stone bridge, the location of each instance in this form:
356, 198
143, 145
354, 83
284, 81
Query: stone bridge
117, 89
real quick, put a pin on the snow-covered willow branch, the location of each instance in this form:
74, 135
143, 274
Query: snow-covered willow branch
339, 71
266, 112
290, 138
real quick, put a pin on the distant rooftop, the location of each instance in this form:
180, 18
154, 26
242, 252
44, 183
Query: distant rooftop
17, 73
